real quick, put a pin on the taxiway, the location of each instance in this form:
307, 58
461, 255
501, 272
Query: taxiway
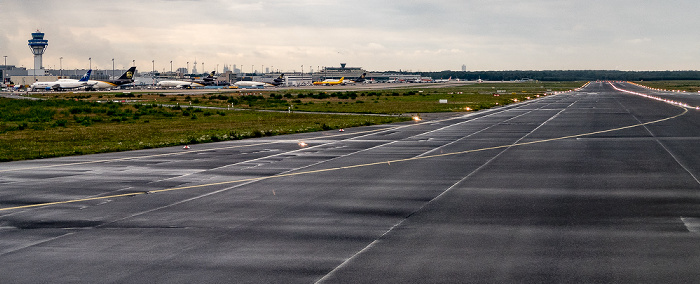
594, 185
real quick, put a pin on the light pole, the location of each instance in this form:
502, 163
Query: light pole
133, 62
90, 58
4, 68
171, 66
113, 68
203, 68
60, 62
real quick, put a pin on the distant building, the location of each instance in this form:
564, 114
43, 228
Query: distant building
464, 68
338, 72
9, 71
295, 79
77, 73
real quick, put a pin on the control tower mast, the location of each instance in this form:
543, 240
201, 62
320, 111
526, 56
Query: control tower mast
38, 45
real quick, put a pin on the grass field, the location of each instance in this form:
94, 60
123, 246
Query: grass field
54, 128
84, 123
406, 99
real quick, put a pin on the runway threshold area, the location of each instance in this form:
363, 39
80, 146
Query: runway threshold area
595, 185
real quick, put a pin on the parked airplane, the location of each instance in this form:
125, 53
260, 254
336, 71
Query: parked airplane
255, 84
360, 79
126, 78
443, 80
279, 80
206, 81
329, 82
64, 84
179, 84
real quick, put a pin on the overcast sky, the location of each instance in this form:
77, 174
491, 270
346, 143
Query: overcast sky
379, 35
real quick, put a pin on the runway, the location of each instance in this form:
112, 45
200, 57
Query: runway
595, 185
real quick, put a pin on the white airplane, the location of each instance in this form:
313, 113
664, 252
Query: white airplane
64, 84
179, 84
443, 80
251, 84
255, 84
209, 80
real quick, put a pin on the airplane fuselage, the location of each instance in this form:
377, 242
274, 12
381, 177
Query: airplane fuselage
251, 84
330, 82
61, 84
179, 84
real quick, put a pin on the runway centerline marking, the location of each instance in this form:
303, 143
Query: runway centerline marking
685, 110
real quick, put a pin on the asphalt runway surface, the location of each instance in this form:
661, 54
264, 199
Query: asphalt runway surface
592, 186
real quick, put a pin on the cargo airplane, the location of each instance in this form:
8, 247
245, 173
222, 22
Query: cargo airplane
126, 78
64, 84
209, 80
360, 79
255, 84
329, 82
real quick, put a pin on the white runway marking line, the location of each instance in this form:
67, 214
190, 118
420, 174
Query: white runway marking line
378, 239
181, 152
675, 158
692, 224
685, 110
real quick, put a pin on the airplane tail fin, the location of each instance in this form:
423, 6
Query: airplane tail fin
278, 81
210, 76
129, 74
86, 77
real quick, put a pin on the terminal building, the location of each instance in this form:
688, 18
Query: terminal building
351, 73
338, 72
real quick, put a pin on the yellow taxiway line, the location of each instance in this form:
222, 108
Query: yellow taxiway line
685, 110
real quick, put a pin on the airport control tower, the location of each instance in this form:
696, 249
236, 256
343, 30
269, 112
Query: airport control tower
38, 45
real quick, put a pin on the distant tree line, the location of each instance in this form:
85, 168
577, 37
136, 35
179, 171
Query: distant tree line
566, 75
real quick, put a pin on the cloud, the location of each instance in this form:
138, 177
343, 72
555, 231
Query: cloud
382, 35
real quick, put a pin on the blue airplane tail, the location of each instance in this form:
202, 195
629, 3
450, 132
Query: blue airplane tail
86, 77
